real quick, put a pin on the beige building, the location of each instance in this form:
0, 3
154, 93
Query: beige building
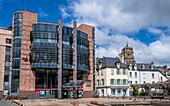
111, 77
5, 48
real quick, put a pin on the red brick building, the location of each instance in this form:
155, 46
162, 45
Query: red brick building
51, 60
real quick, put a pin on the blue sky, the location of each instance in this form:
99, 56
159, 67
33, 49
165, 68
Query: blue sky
143, 24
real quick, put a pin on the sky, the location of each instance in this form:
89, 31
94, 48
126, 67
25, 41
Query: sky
144, 24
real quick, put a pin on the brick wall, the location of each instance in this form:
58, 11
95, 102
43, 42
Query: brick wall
27, 76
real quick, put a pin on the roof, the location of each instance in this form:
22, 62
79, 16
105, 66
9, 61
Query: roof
109, 62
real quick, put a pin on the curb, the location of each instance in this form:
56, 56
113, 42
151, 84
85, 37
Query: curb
15, 102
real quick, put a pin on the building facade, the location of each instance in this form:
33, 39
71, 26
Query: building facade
111, 77
141, 73
5, 50
51, 59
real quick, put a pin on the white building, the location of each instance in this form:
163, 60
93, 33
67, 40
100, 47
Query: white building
111, 77
144, 73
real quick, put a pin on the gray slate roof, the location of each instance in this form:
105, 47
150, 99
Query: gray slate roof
110, 62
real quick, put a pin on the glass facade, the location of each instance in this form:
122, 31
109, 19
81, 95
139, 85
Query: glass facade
44, 46
16, 52
82, 51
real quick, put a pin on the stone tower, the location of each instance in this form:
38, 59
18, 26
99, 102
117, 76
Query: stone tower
127, 54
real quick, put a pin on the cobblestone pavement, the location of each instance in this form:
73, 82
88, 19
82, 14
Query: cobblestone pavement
5, 103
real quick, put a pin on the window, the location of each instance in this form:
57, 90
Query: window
102, 92
124, 81
112, 81
112, 71
97, 72
118, 72
153, 81
101, 72
102, 81
8, 41
119, 91
130, 82
124, 73
144, 82
136, 74
124, 92
118, 81
153, 76
113, 91
130, 74
98, 83
143, 75
136, 82
88, 83
161, 78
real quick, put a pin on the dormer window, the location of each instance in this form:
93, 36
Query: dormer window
152, 66
135, 67
118, 65
130, 66
100, 65
143, 66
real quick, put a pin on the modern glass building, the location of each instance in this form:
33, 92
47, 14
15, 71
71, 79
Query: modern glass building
49, 59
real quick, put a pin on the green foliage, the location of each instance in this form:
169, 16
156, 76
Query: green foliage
143, 93
135, 93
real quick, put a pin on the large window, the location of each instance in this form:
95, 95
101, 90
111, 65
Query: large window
8, 41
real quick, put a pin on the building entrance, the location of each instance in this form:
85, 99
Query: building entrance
46, 83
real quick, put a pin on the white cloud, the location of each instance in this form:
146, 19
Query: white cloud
155, 31
124, 16
42, 13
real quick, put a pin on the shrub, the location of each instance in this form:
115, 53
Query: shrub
135, 93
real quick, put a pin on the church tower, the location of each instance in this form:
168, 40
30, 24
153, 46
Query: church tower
127, 54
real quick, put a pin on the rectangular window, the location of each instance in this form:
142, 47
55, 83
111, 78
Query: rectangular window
97, 72
144, 82
102, 81
118, 72
88, 83
102, 72
98, 82
118, 81
124, 81
112, 82
153, 76
130, 82
143, 75
112, 71
8, 41
136, 82
136, 74
130, 74
124, 72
